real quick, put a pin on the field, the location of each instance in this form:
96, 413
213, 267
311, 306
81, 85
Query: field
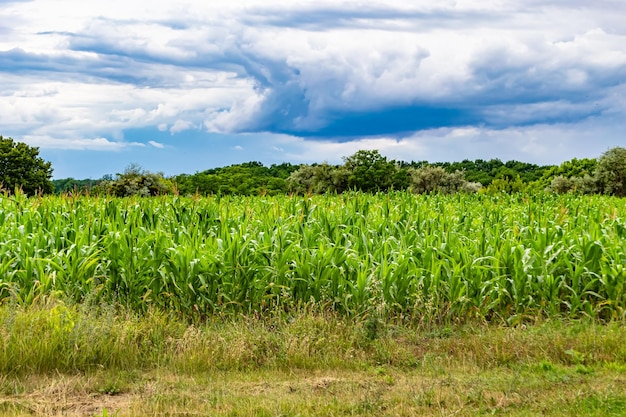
381, 298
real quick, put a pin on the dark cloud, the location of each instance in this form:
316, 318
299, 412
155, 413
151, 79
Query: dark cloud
523, 80
498, 89
394, 121
65, 67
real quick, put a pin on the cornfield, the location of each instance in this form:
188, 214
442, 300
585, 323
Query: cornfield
437, 257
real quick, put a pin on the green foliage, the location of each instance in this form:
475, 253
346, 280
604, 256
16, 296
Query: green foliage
575, 175
318, 179
366, 171
561, 184
506, 184
435, 258
250, 178
611, 172
137, 181
579, 185
485, 172
431, 179
21, 167
328, 178
574, 168
71, 185
302, 181
369, 171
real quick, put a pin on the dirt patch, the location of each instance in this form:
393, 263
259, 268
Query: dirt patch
325, 382
70, 406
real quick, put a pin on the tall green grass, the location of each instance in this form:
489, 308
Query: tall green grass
429, 258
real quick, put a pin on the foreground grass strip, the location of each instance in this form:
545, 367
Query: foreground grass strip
429, 390
58, 359
55, 337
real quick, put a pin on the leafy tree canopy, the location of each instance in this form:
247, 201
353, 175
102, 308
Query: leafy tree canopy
611, 172
370, 171
137, 181
21, 167
250, 178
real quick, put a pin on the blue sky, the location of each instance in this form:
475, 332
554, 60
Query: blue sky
180, 87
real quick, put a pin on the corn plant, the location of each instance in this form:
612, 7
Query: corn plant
438, 257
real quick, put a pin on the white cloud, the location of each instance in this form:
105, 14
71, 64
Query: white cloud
541, 144
156, 144
96, 144
180, 125
515, 71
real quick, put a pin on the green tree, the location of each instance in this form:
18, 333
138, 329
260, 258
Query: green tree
431, 179
370, 171
71, 185
583, 169
329, 178
611, 172
506, 184
561, 184
578, 185
301, 181
319, 179
21, 167
137, 181
249, 178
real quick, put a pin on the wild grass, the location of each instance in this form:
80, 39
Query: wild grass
60, 359
54, 337
365, 305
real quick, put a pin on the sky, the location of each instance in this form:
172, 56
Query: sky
180, 87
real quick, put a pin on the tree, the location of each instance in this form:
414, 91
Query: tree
431, 179
319, 179
71, 185
578, 185
579, 171
506, 184
611, 172
301, 180
249, 178
561, 184
21, 167
136, 181
370, 171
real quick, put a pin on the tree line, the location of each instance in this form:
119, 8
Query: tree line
365, 170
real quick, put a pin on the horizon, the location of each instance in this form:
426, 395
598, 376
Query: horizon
194, 86
296, 164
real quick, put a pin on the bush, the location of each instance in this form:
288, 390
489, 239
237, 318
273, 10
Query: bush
136, 181
611, 172
436, 179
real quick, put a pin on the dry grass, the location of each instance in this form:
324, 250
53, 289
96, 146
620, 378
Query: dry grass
381, 391
114, 363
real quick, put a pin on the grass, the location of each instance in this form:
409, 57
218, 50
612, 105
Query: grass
380, 391
114, 362
363, 305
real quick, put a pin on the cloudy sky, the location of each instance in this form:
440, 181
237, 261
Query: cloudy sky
184, 86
